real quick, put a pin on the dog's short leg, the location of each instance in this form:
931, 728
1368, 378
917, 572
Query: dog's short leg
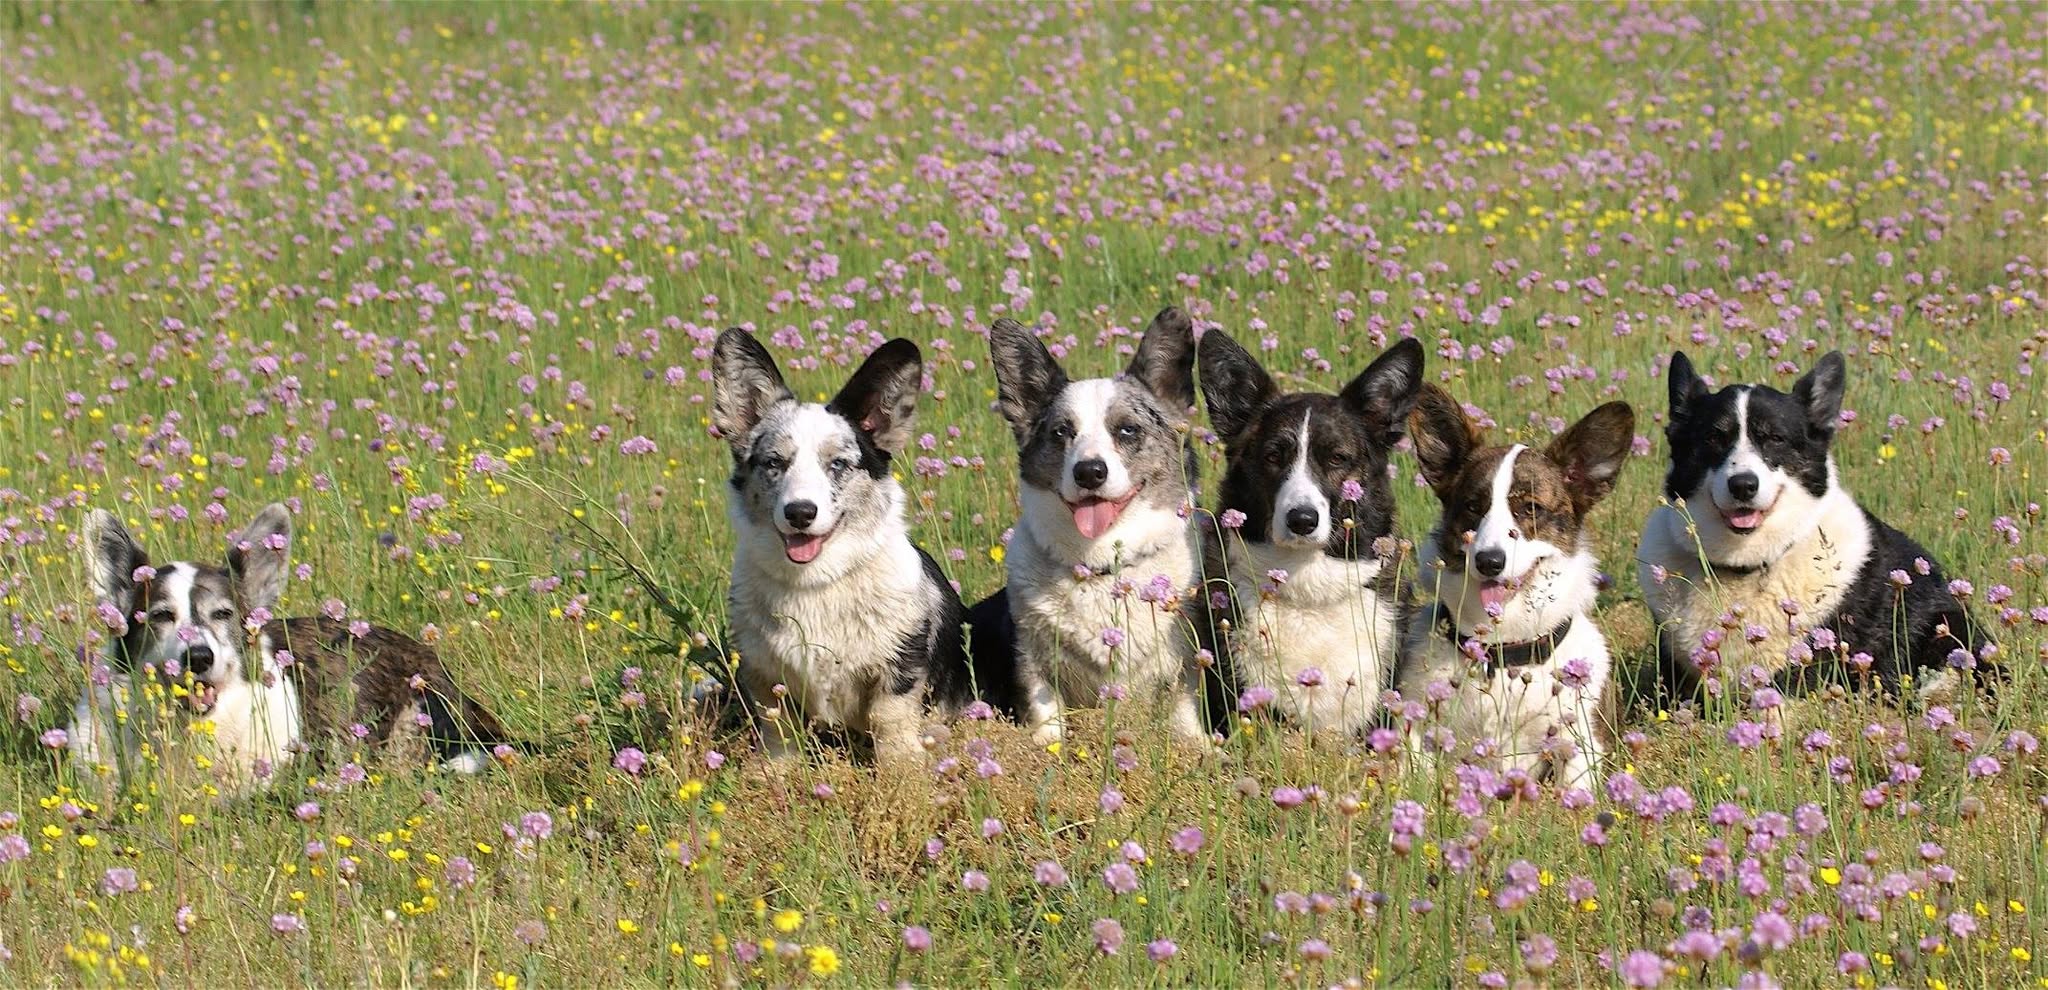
1183, 717
897, 723
1582, 768
1421, 761
1042, 707
777, 735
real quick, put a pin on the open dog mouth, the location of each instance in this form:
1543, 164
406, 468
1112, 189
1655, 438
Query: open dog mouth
1495, 593
200, 697
1094, 516
802, 548
1747, 520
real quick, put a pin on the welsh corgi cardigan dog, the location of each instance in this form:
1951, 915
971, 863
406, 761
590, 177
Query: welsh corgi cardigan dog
271, 688
839, 619
1103, 552
1303, 577
1762, 567
1509, 656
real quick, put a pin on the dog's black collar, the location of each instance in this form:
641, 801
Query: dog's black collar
1523, 654
1737, 570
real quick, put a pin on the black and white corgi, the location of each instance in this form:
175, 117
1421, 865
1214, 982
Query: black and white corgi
1103, 553
839, 619
1509, 657
1762, 567
197, 658
1301, 568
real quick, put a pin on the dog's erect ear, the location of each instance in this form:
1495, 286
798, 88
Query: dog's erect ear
1684, 383
1384, 393
258, 557
881, 398
1165, 361
1592, 452
1233, 384
1820, 392
745, 384
1444, 437
1027, 377
111, 559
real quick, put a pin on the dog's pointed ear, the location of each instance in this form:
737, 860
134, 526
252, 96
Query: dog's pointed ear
1592, 452
1233, 384
1385, 392
1165, 360
1444, 437
881, 398
258, 557
1684, 383
1820, 392
111, 560
1027, 377
745, 384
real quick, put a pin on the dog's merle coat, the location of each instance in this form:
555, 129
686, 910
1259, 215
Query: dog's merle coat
294, 684
838, 618
1796, 585
1102, 553
1301, 593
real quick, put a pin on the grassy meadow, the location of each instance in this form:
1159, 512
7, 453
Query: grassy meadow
444, 278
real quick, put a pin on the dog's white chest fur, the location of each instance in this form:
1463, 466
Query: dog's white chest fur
1813, 574
1325, 615
1061, 621
830, 645
249, 724
1518, 708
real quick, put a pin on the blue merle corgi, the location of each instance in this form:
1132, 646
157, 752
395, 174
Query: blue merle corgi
838, 618
1762, 567
1103, 552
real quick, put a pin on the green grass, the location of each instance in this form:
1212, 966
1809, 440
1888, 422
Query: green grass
637, 178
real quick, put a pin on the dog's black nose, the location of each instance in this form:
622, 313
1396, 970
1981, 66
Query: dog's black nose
1743, 486
1302, 520
801, 514
1491, 562
1091, 473
199, 659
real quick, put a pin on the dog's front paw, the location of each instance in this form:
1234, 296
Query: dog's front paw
1048, 733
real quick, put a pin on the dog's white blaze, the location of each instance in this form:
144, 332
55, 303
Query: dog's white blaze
1745, 459
817, 437
1499, 531
1088, 401
1298, 491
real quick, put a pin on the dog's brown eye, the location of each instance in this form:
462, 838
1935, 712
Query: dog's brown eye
223, 614
161, 615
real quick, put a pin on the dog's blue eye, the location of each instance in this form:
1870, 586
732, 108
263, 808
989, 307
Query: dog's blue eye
1127, 432
1063, 432
840, 464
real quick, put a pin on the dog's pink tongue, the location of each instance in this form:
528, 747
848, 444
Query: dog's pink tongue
1746, 519
1493, 595
802, 548
1094, 516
